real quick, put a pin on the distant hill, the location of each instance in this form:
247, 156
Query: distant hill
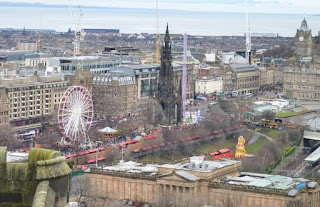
42, 5
23, 4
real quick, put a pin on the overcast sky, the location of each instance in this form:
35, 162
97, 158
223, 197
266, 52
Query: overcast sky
266, 6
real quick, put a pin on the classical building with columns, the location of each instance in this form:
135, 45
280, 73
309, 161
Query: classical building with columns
198, 182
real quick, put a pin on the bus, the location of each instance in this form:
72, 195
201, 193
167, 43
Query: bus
249, 95
210, 105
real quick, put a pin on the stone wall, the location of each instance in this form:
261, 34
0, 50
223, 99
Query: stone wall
175, 191
123, 188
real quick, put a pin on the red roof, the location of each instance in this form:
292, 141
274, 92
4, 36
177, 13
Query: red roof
224, 150
71, 155
101, 158
84, 152
101, 148
163, 144
150, 136
155, 146
136, 150
92, 150
131, 142
91, 161
147, 137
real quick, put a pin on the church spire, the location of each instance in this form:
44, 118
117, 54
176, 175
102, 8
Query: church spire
167, 37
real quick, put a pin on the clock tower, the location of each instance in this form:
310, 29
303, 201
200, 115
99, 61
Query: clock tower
303, 41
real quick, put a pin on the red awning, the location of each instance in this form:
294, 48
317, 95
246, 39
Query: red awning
71, 155
101, 148
101, 158
84, 153
131, 142
92, 150
91, 161
224, 150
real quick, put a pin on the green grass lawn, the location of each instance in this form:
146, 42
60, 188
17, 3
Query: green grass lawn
214, 146
160, 160
273, 134
285, 114
255, 147
288, 114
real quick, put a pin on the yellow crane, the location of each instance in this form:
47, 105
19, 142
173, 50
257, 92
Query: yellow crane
158, 36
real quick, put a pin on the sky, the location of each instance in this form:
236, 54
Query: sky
264, 6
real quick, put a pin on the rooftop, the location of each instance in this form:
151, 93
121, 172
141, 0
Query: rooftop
198, 164
276, 183
314, 156
243, 68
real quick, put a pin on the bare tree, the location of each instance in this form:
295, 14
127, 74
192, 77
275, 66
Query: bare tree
79, 189
82, 194
268, 115
111, 154
8, 138
50, 137
150, 113
216, 119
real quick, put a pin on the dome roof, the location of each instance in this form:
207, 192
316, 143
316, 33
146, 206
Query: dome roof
304, 25
239, 60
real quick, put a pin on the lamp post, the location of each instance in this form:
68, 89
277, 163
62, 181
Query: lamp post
97, 158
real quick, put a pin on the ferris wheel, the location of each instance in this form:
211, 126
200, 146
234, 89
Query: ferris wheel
75, 113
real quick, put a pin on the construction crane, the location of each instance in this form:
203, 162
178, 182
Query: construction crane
158, 36
78, 30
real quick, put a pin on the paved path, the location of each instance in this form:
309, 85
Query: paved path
260, 134
254, 138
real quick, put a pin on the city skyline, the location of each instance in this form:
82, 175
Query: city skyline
263, 6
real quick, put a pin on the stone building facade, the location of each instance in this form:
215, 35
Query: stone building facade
302, 82
245, 78
303, 41
194, 183
31, 99
207, 86
267, 76
114, 96
4, 107
301, 74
